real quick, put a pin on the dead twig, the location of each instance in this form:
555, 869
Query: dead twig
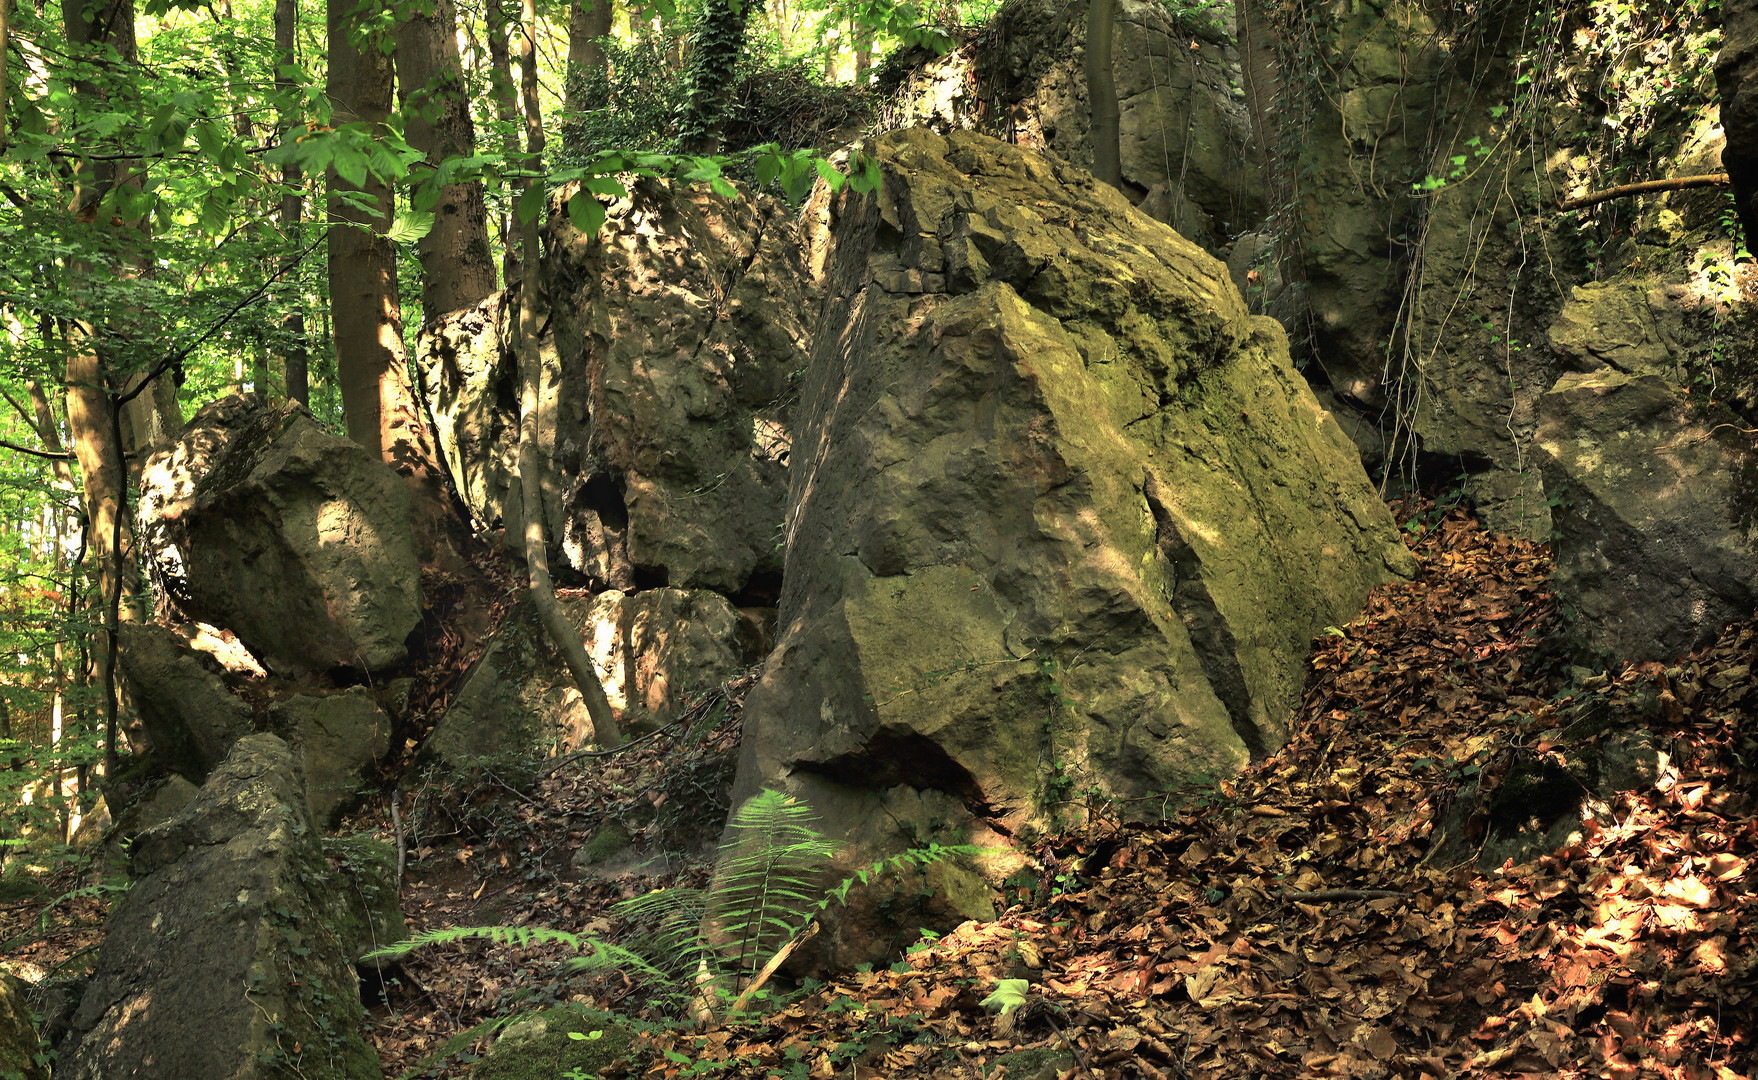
1321, 895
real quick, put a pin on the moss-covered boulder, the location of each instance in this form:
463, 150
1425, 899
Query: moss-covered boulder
219, 962
545, 1046
362, 907
1062, 514
20, 1056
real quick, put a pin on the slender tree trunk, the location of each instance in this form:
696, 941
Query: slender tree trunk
5, 26
297, 360
588, 23
364, 306
532, 418
715, 47
863, 54
1102, 92
457, 268
378, 399
506, 110
1258, 62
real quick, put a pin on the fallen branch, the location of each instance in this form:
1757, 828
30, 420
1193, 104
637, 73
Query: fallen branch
1677, 183
775, 961
1321, 895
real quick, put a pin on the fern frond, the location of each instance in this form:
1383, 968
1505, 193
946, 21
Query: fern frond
522, 936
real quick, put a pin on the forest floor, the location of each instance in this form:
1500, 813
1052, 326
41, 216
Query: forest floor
1323, 914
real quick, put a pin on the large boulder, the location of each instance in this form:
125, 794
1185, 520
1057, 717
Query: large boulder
259, 521
218, 962
1657, 516
339, 737
676, 330
652, 650
1061, 512
180, 710
1736, 78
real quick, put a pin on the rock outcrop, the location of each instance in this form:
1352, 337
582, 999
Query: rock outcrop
676, 336
20, 1056
218, 962
1657, 522
183, 713
1061, 512
652, 650
339, 737
300, 542
1186, 142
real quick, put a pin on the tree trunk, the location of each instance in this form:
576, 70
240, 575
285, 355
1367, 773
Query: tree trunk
1102, 92
378, 399
1257, 60
5, 22
506, 110
296, 362
457, 268
588, 22
531, 419
715, 47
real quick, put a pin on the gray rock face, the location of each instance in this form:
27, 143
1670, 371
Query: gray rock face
300, 542
218, 963
1657, 545
674, 339
183, 712
339, 736
1186, 141
652, 649
1060, 510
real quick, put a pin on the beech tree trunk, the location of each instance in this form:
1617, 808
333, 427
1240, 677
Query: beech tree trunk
296, 361
1102, 92
378, 399
588, 22
506, 110
532, 419
457, 267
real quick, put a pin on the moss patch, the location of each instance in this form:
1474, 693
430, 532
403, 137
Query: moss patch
541, 1047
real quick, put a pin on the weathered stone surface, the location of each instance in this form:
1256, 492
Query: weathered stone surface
18, 1034
338, 736
1634, 326
1074, 481
676, 332
1657, 527
363, 909
153, 808
181, 711
218, 963
652, 650
1185, 136
300, 542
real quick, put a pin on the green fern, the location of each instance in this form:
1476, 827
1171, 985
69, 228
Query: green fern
707, 946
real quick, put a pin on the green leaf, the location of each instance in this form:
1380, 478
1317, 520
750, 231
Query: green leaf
586, 212
1009, 995
409, 227
349, 163
530, 203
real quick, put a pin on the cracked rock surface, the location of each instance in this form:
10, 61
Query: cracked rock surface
1061, 514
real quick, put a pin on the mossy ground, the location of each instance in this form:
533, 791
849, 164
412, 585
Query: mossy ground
544, 1048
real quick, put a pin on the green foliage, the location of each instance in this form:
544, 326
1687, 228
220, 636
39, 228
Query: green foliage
704, 947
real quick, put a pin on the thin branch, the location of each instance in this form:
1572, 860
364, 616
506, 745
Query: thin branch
183, 354
1677, 183
1321, 895
35, 453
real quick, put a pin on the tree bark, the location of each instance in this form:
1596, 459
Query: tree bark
378, 399
1102, 92
531, 419
457, 268
588, 23
506, 110
296, 362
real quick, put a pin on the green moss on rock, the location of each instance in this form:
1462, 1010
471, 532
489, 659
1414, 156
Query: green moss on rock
543, 1047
